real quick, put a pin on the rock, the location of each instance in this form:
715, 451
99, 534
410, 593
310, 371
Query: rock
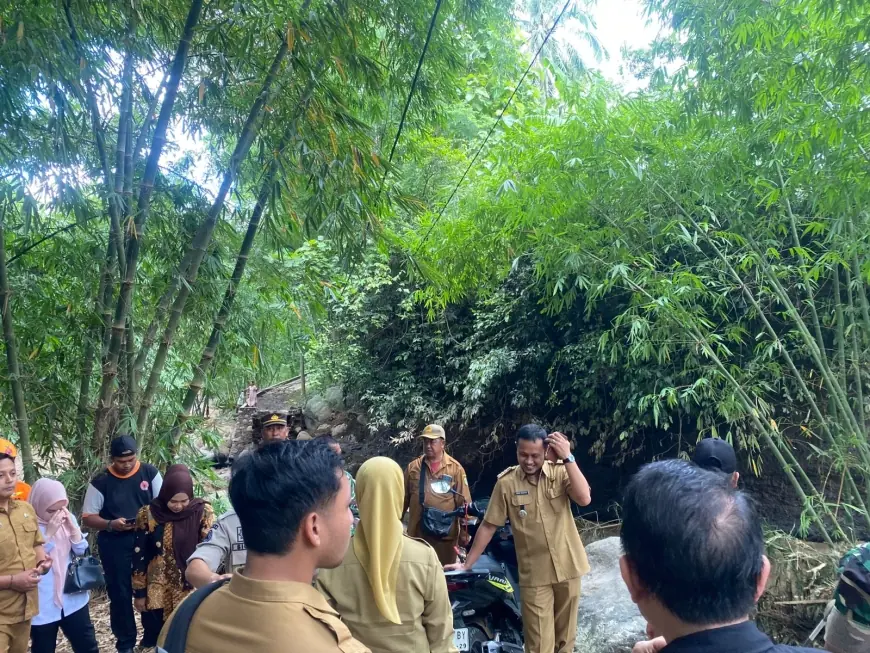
334, 396
362, 419
338, 431
316, 411
303, 435
323, 429
607, 620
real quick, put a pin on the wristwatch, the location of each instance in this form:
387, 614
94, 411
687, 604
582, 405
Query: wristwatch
569, 459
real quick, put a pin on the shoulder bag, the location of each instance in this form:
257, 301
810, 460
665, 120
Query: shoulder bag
433, 522
83, 573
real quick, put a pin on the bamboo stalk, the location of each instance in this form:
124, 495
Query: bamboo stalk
163, 305
18, 403
811, 301
841, 329
197, 383
805, 391
203, 235
112, 198
856, 353
122, 307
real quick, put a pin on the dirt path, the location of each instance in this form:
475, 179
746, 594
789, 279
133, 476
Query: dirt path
99, 607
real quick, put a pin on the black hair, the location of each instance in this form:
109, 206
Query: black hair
694, 541
275, 487
531, 433
4, 456
328, 439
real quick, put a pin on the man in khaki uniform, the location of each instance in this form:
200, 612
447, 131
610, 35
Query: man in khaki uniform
536, 497
271, 604
445, 488
22, 559
221, 554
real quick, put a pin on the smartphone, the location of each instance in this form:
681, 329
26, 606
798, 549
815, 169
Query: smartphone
130, 521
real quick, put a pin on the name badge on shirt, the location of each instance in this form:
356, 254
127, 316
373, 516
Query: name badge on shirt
521, 493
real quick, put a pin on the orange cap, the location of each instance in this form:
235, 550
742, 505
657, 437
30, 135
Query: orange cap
8, 449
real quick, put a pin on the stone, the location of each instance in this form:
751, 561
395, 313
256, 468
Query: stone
323, 429
303, 435
334, 397
362, 419
338, 431
607, 619
316, 411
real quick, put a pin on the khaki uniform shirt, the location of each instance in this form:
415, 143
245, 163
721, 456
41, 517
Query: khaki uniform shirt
223, 549
256, 616
421, 596
549, 549
446, 501
19, 535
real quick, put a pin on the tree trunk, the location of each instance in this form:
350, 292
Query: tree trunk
160, 314
203, 235
122, 307
12, 366
200, 371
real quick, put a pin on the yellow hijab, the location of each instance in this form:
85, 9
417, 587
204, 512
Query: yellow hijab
380, 493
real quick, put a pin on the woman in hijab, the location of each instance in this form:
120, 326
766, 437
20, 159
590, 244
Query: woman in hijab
63, 538
390, 589
167, 532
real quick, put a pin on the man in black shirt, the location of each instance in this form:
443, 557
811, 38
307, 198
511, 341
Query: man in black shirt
694, 560
112, 500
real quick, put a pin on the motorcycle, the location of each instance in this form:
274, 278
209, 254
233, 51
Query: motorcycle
485, 600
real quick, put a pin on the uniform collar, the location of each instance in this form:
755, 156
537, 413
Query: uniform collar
445, 460
546, 470
272, 591
14, 504
739, 638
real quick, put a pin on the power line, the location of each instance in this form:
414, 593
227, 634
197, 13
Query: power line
495, 124
416, 77
410, 95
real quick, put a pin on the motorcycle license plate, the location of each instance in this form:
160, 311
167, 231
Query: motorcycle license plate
460, 639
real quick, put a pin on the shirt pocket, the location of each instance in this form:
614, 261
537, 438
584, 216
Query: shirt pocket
520, 503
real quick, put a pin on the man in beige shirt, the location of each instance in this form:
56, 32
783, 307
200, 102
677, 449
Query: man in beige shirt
445, 487
536, 497
271, 604
22, 559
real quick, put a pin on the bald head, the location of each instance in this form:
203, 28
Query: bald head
693, 541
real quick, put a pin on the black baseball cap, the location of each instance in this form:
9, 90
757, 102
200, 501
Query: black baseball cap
123, 445
716, 454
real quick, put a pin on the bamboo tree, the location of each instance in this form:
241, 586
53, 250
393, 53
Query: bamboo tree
203, 235
197, 383
122, 307
18, 403
856, 355
811, 301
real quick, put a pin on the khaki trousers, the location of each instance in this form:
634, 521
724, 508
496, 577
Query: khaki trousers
15, 637
550, 617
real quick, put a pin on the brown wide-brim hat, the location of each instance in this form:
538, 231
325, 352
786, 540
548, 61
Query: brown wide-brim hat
434, 432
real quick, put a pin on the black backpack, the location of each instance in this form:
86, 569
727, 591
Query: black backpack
176, 638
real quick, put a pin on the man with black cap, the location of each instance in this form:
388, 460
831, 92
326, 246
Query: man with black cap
275, 428
112, 500
717, 455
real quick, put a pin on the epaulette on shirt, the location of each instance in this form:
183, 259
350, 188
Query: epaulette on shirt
507, 471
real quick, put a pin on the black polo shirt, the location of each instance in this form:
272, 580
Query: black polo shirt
740, 638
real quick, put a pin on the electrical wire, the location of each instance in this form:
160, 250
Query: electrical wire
411, 93
495, 124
